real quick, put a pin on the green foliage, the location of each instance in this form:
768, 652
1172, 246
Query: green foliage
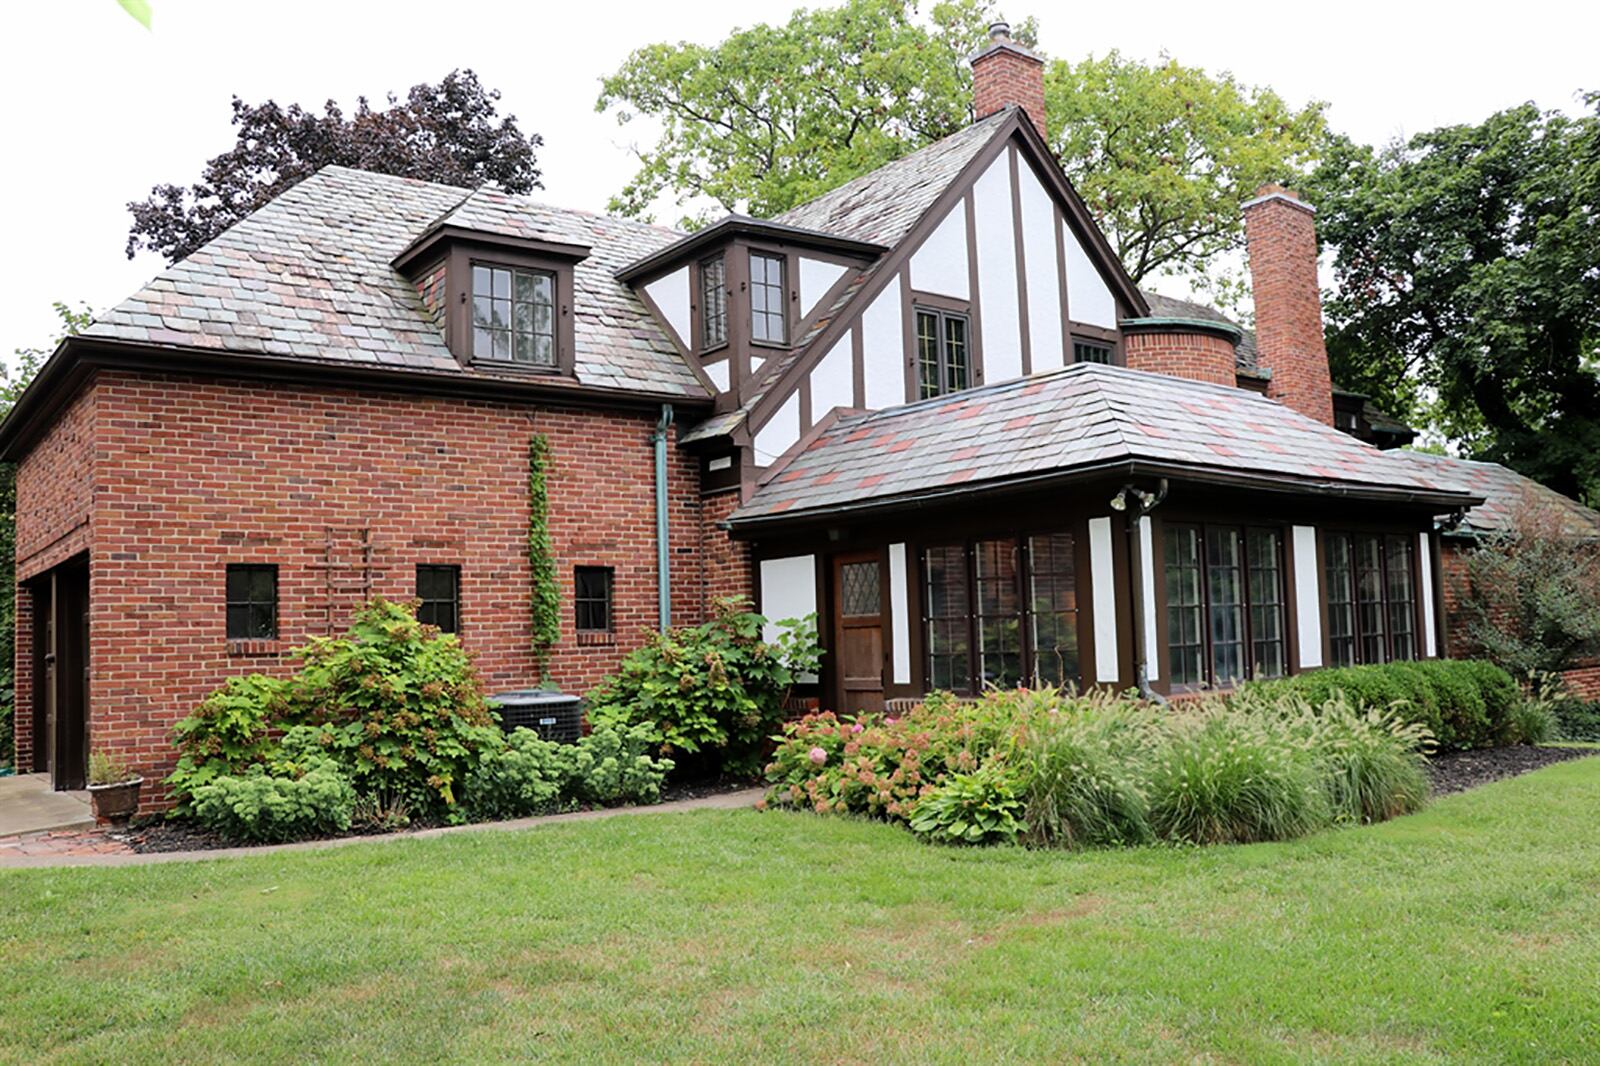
541, 555
228, 734
529, 775
975, 808
773, 116
1083, 765
108, 768
613, 765
1530, 598
266, 807
1463, 703
714, 690
139, 11
1468, 285
1574, 718
1370, 762
1164, 154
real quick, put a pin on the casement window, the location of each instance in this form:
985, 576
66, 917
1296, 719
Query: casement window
439, 589
252, 602
1000, 613
1091, 352
713, 303
1225, 604
591, 599
767, 305
513, 315
1372, 602
943, 359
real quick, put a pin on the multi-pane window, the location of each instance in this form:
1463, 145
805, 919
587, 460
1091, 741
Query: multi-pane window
252, 602
1001, 613
1372, 605
943, 364
592, 598
1090, 352
439, 589
766, 299
713, 302
1225, 604
513, 315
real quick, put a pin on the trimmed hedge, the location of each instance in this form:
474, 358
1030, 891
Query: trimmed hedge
1465, 703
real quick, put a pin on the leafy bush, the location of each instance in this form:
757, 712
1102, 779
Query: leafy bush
976, 808
1575, 719
1463, 703
613, 766
261, 806
714, 690
528, 776
1084, 767
108, 768
229, 732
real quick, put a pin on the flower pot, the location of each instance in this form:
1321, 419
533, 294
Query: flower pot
115, 803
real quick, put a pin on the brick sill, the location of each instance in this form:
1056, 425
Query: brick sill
255, 648
596, 640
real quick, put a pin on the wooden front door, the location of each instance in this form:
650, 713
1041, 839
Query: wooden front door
61, 685
858, 633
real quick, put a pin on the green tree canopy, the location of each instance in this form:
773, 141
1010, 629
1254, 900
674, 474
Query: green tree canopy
775, 115
1164, 154
1468, 285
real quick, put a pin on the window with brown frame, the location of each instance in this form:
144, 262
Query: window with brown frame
513, 315
942, 360
767, 305
1225, 604
1372, 603
439, 590
1001, 612
713, 303
591, 599
1091, 352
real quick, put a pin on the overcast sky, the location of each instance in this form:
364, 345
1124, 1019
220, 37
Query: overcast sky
97, 110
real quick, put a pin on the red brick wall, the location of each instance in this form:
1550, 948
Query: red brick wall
22, 685
53, 512
1281, 239
727, 567
1197, 356
1003, 77
191, 475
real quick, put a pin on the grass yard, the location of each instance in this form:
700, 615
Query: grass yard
1468, 932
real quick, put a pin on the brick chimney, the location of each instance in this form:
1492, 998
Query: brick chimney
1281, 239
1006, 73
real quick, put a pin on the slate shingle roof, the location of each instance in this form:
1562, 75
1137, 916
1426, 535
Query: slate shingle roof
308, 277
1080, 416
1507, 496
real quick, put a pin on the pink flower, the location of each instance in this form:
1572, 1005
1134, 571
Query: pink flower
818, 756
890, 721
858, 727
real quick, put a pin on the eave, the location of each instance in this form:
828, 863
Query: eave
742, 225
76, 360
432, 244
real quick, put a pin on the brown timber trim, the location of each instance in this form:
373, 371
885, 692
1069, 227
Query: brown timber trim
975, 331
434, 243
1023, 339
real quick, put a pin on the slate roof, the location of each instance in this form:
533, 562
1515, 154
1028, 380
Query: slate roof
1080, 416
1507, 496
308, 277
1172, 307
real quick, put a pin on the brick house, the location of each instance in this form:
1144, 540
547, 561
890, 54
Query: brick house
929, 406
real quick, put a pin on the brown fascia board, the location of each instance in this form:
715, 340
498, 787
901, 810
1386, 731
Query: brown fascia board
430, 246
742, 225
76, 359
1273, 483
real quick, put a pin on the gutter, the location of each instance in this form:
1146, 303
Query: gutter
663, 552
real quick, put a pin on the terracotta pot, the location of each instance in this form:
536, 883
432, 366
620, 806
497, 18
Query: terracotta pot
115, 803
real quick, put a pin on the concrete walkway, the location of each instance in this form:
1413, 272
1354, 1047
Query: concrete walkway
28, 805
101, 849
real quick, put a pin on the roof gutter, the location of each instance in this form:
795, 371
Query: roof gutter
1131, 468
732, 225
77, 358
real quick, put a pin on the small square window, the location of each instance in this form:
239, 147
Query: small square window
592, 598
252, 602
513, 315
439, 589
1089, 352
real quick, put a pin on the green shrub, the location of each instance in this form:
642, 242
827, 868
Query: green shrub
1369, 763
1576, 719
1083, 768
230, 732
976, 808
529, 775
1464, 704
714, 690
1226, 777
613, 766
261, 807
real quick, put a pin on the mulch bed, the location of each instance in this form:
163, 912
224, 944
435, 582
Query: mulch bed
1456, 771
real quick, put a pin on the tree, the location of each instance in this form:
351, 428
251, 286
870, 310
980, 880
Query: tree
1468, 285
14, 379
1164, 154
449, 133
775, 115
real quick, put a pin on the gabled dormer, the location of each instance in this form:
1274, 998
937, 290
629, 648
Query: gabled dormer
501, 301
742, 294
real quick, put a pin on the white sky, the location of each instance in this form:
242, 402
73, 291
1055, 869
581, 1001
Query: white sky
97, 110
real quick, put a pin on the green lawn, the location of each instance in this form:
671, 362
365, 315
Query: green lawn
1468, 932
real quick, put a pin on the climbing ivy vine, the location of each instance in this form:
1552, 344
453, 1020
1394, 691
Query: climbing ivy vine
546, 597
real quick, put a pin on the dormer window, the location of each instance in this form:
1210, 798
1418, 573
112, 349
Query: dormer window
942, 360
714, 303
513, 315
767, 305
